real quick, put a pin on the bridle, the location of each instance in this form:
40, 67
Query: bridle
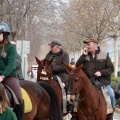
46, 77
82, 99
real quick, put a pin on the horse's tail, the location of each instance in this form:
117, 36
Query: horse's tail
57, 113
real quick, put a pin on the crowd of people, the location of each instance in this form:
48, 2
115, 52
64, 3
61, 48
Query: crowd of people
96, 63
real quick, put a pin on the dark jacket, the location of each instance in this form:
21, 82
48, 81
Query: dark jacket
18, 67
101, 62
60, 60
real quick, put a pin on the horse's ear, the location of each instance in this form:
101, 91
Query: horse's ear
69, 68
49, 62
37, 60
80, 67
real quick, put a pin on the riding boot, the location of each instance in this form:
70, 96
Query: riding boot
19, 111
74, 118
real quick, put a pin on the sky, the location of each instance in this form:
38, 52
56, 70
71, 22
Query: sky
110, 46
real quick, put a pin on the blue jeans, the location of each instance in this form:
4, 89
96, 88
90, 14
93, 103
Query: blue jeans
112, 96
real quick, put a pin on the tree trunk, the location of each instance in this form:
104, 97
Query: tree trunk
116, 54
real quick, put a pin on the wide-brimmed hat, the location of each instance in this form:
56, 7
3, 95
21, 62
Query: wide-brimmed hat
91, 40
55, 42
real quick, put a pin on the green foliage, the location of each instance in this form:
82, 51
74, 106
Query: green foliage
114, 81
115, 78
113, 85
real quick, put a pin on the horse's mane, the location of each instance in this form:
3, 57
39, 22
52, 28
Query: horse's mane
82, 73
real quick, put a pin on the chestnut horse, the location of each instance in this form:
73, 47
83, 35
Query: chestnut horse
44, 101
91, 103
44, 73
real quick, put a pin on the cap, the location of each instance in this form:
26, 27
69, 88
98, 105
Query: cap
55, 42
13, 42
91, 40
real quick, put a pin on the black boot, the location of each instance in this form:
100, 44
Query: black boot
74, 118
70, 107
19, 111
110, 116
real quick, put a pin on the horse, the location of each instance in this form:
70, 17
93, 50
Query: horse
91, 103
44, 101
44, 73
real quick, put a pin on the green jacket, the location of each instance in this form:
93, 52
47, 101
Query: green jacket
8, 115
8, 62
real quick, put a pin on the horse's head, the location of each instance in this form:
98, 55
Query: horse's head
44, 69
74, 79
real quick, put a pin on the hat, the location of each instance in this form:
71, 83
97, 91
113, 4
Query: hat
91, 40
13, 42
55, 42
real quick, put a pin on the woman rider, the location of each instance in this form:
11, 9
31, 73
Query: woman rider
8, 74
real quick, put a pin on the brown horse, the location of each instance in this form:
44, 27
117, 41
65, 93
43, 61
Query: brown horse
44, 73
44, 101
91, 103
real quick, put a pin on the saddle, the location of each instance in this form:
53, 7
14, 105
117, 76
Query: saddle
13, 101
95, 82
10, 97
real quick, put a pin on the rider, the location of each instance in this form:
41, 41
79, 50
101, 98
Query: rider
5, 112
60, 60
97, 63
8, 73
18, 64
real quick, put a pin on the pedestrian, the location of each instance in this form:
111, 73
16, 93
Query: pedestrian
72, 63
5, 112
18, 64
97, 63
8, 73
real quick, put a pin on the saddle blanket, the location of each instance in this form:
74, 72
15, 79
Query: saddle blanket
27, 101
107, 99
